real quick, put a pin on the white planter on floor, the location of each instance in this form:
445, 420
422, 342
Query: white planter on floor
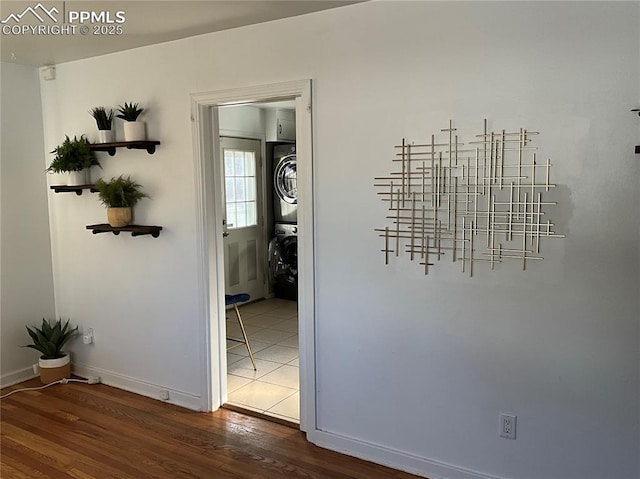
52, 370
135, 131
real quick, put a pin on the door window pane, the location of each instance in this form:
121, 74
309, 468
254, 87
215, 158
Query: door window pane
239, 163
240, 185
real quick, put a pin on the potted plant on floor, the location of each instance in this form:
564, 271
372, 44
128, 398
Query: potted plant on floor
134, 130
119, 195
74, 157
49, 340
104, 118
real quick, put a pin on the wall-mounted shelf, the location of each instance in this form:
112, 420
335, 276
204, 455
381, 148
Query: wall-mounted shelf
136, 230
110, 148
75, 189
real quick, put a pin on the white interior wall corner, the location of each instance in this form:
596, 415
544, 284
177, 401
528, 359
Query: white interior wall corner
27, 284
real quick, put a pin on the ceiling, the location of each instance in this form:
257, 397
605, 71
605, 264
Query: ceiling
145, 22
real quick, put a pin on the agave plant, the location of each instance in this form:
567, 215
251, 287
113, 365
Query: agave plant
102, 116
50, 338
130, 111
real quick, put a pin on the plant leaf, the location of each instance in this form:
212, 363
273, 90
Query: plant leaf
50, 338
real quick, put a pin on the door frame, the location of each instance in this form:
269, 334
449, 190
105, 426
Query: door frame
210, 253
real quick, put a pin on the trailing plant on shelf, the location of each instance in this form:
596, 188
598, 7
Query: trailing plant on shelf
134, 130
119, 195
120, 192
49, 339
73, 156
102, 116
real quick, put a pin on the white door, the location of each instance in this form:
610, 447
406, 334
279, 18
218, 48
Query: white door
244, 240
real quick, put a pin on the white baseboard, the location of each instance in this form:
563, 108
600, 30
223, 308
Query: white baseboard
133, 385
402, 461
16, 377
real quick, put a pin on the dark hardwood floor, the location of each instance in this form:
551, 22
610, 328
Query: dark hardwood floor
85, 431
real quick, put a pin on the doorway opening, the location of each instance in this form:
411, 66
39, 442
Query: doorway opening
258, 154
211, 131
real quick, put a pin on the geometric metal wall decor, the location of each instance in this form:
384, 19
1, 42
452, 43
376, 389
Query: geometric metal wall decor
479, 202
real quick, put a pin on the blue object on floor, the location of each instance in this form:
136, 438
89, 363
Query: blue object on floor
230, 299
234, 299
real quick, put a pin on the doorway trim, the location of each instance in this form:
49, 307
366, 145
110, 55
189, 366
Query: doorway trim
210, 254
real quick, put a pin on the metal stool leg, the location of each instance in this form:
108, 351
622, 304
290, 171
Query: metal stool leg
244, 336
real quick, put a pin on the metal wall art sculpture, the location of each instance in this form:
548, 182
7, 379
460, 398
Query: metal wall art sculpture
462, 198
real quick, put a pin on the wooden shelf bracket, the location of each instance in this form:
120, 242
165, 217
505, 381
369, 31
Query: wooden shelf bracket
75, 189
110, 148
135, 230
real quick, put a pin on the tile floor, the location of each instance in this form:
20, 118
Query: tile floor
273, 390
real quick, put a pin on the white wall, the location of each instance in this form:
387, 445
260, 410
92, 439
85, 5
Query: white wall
241, 121
411, 370
27, 280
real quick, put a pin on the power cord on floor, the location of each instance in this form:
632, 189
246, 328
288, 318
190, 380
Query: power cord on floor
61, 381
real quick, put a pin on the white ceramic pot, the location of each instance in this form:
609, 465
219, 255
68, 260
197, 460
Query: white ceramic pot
54, 369
106, 136
77, 178
59, 178
135, 131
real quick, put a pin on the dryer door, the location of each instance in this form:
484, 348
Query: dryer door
277, 266
285, 181
289, 249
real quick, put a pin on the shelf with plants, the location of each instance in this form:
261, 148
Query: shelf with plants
135, 136
120, 195
77, 189
136, 230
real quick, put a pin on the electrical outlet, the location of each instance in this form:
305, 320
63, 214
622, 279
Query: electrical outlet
508, 426
88, 338
164, 395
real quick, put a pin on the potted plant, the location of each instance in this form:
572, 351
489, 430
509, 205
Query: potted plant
73, 157
49, 340
120, 195
134, 130
103, 119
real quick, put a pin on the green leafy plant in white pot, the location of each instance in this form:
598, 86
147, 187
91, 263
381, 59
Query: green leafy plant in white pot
49, 339
73, 159
134, 129
119, 195
104, 119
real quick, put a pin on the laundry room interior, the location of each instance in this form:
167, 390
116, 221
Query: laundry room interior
258, 152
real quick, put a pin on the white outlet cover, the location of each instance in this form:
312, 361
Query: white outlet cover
508, 424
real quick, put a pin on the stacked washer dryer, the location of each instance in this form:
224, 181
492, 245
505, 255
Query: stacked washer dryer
283, 248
